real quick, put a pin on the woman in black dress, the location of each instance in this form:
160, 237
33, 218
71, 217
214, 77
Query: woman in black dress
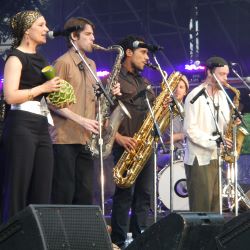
28, 155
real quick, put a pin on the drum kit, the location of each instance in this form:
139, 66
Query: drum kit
180, 194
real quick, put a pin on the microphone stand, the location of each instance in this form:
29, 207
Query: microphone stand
157, 134
99, 91
219, 140
181, 113
171, 106
235, 154
236, 73
164, 76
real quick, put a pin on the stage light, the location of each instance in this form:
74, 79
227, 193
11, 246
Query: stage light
194, 67
1, 84
102, 73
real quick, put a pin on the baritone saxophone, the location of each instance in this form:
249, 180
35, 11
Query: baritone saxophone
131, 163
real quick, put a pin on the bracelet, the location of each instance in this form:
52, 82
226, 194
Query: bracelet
30, 95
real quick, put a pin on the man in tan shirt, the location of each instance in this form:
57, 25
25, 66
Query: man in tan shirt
73, 169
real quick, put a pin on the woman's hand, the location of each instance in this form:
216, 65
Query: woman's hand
52, 85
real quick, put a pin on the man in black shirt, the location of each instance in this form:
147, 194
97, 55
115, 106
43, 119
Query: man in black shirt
138, 196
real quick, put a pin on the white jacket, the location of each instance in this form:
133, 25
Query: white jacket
199, 125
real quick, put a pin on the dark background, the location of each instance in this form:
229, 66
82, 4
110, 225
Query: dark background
223, 29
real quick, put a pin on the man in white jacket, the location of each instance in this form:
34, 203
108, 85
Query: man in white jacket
201, 159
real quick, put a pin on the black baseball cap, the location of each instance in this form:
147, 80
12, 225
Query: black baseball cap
215, 61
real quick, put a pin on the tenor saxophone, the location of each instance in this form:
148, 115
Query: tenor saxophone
131, 163
110, 121
227, 154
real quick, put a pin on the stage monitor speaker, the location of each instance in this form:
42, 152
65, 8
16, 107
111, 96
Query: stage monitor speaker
56, 227
180, 231
235, 233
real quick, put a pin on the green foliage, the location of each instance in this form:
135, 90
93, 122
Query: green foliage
246, 144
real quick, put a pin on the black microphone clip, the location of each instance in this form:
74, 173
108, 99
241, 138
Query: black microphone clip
52, 34
232, 64
152, 48
201, 92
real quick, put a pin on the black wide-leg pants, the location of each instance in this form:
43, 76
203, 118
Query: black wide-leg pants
28, 162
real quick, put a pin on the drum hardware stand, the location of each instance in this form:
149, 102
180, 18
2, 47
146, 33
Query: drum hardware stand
157, 134
228, 190
237, 114
233, 198
235, 165
98, 91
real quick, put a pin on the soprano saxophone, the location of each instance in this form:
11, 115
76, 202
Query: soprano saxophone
110, 123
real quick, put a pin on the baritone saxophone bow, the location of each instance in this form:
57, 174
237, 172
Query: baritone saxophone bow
110, 122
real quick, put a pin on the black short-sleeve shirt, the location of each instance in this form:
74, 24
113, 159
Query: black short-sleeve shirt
32, 64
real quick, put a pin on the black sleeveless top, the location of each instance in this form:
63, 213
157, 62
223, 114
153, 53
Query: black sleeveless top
31, 75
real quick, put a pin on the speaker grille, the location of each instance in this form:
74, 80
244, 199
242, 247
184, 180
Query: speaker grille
72, 227
56, 227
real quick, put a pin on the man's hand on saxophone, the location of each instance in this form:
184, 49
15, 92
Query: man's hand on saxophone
229, 142
89, 124
116, 89
129, 143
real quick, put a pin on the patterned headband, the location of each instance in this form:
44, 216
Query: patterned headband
21, 22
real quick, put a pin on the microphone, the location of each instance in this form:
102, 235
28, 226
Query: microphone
142, 92
232, 64
52, 34
179, 107
150, 47
201, 92
247, 79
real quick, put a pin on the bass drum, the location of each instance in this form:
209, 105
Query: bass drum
180, 194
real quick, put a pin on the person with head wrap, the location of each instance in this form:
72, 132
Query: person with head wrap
28, 155
201, 159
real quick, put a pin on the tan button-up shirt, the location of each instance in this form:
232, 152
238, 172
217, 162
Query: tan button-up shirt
70, 68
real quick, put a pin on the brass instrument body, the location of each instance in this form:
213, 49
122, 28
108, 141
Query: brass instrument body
227, 155
110, 123
131, 163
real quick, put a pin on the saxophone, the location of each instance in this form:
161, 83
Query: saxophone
110, 123
131, 163
227, 155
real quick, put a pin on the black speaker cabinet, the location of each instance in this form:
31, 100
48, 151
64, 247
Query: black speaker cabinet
235, 234
180, 231
56, 227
